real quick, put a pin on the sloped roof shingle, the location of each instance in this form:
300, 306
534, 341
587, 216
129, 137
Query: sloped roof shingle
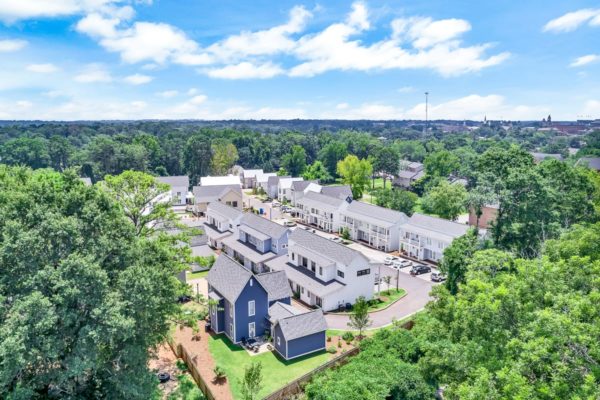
228, 277
301, 325
276, 285
263, 225
325, 247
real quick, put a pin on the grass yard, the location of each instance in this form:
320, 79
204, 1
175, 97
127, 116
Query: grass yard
197, 275
387, 297
276, 371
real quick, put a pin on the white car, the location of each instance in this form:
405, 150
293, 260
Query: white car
389, 260
397, 264
276, 204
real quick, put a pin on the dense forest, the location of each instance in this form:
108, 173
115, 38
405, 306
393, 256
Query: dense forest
517, 318
176, 148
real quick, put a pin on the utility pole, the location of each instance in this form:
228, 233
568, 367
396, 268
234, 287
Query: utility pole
426, 112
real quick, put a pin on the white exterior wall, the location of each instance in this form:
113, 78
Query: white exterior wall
178, 195
422, 247
389, 241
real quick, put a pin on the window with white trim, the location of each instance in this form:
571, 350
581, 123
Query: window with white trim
230, 310
278, 341
251, 308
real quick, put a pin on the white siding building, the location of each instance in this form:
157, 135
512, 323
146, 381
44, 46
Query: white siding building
284, 188
425, 238
221, 221
375, 226
320, 211
323, 273
179, 188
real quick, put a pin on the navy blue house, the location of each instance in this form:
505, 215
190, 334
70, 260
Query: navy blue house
251, 305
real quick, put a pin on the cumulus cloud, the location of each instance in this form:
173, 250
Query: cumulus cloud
137, 79
413, 43
591, 109
573, 20
94, 73
8, 45
46, 68
14, 10
585, 60
167, 94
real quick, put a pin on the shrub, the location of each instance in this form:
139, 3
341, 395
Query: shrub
181, 365
348, 336
340, 344
331, 350
219, 373
329, 338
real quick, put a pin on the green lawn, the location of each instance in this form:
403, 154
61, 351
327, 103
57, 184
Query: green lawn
197, 275
276, 371
389, 298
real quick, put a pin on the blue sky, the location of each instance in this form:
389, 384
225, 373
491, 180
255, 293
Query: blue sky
208, 59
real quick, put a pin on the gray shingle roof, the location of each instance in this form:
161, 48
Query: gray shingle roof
299, 186
228, 277
225, 210
274, 180
281, 310
341, 192
276, 285
300, 325
444, 226
263, 225
318, 199
592, 162
383, 216
206, 194
181, 180
325, 247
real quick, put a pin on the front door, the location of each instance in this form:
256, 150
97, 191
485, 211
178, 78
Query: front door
251, 330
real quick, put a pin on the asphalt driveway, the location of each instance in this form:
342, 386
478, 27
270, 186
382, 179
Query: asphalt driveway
417, 296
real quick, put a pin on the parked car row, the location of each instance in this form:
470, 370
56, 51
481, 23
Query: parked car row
416, 269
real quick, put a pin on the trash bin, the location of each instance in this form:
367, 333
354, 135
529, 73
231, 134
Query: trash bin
207, 327
261, 211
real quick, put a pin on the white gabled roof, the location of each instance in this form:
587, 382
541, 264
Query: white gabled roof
437, 228
220, 180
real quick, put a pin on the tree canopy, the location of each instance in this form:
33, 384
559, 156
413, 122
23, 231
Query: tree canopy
83, 296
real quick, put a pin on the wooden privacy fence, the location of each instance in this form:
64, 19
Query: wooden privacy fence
182, 353
297, 385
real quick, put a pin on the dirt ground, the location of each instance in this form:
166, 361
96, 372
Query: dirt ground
198, 351
166, 363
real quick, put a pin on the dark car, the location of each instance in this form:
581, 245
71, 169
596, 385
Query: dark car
437, 277
420, 269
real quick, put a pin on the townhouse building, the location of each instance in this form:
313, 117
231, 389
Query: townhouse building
425, 238
410, 172
230, 195
258, 240
179, 187
320, 211
221, 221
284, 188
323, 273
372, 225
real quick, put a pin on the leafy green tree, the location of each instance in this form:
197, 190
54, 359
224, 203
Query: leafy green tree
386, 160
317, 171
295, 161
412, 150
446, 200
456, 258
359, 319
32, 152
139, 195
356, 173
441, 164
197, 157
252, 381
224, 156
84, 299
59, 152
330, 154
397, 199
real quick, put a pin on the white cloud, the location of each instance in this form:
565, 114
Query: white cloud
265, 42
591, 109
137, 79
435, 44
196, 100
24, 104
8, 45
98, 26
245, 70
192, 91
342, 106
573, 20
167, 94
46, 68
14, 10
584, 60
94, 73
